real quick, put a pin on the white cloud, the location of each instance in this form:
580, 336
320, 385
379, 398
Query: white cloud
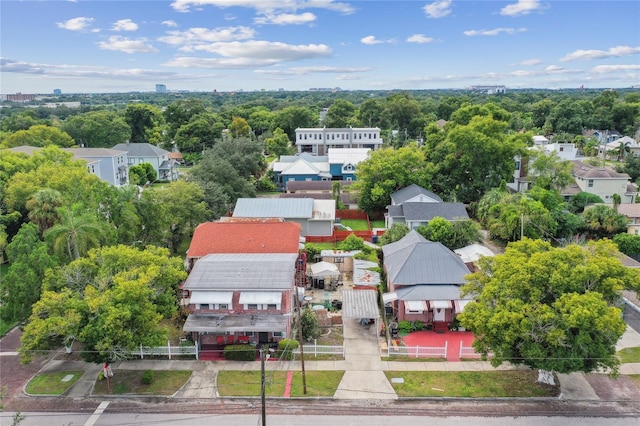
493, 32
617, 51
263, 6
126, 45
522, 7
76, 24
170, 23
79, 72
195, 36
371, 40
419, 38
438, 9
531, 62
605, 69
124, 25
313, 70
286, 19
250, 54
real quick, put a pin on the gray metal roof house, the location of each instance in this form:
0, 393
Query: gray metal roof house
424, 280
316, 217
249, 295
415, 206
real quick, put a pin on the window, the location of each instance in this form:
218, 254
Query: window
272, 306
252, 306
277, 334
561, 148
204, 306
590, 183
250, 333
223, 306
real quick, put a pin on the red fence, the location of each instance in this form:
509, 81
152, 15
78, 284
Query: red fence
352, 214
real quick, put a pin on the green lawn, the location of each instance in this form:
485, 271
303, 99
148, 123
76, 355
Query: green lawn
377, 223
51, 383
248, 383
471, 384
355, 224
5, 327
628, 355
165, 382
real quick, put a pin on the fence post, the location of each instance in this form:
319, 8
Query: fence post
169, 348
196, 345
446, 345
417, 350
141, 354
460, 349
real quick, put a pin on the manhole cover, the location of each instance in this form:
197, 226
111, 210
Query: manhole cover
397, 380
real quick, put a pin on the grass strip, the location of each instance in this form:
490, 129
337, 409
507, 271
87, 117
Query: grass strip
471, 384
164, 382
50, 382
248, 383
629, 355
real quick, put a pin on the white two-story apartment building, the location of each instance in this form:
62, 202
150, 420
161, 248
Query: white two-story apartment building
318, 140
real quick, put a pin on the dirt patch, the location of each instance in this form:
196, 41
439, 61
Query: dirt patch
621, 389
331, 336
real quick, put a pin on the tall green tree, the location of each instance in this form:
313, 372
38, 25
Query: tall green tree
141, 118
239, 128
279, 143
474, 158
97, 129
551, 309
604, 222
180, 112
340, 114
75, 234
290, 118
38, 135
389, 170
118, 305
29, 258
43, 208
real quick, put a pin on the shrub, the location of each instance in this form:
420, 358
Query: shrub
239, 353
418, 325
405, 327
147, 377
286, 348
101, 376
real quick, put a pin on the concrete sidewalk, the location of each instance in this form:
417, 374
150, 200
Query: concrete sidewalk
364, 376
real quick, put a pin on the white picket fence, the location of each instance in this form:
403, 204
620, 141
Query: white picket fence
168, 350
419, 351
469, 352
315, 349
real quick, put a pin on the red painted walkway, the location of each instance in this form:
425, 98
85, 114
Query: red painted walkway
287, 387
431, 338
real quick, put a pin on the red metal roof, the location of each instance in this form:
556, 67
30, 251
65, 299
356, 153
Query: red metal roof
256, 236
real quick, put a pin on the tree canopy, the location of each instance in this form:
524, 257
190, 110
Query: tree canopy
549, 308
112, 301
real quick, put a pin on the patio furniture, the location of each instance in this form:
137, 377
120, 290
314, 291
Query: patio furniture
220, 340
243, 339
231, 339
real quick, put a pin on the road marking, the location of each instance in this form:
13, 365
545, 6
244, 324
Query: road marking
96, 414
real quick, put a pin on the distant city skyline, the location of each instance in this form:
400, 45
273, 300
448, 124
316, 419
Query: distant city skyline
105, 46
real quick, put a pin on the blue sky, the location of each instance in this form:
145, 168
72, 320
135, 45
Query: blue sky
229, 45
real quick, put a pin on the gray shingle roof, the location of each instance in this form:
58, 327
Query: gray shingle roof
141, 149
427, 211
411, 191
257, 271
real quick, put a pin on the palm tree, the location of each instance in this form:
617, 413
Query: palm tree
43, 208
622, 149
75, 234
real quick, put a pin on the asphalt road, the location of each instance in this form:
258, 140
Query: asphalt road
53, 419
632, 317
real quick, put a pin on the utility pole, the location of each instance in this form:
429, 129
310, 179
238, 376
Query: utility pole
304, 376
263, 386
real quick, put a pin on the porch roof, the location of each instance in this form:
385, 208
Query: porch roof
215, 297
236, 323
